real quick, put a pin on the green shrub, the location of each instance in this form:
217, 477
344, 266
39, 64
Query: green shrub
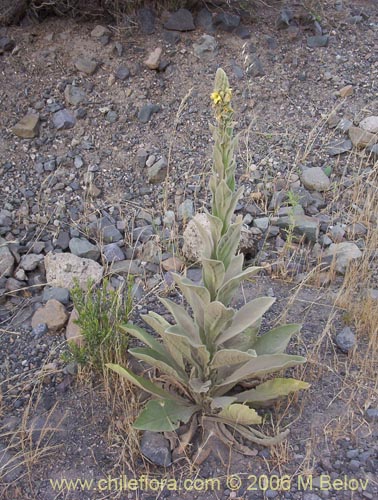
100, 310
211, 347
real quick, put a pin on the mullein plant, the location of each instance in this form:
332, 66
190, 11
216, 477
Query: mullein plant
211, 348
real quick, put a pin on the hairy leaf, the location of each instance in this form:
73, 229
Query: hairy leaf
245, 340
229, 243
217, 317
145, 337
240, 414
226, 292
262, 365
271, 389
247, 316
142, 383
222, 402
276, 340
213, 272
164, 415
162, 362
183, 320
230, 357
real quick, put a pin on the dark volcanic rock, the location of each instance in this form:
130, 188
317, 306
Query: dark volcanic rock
181, 20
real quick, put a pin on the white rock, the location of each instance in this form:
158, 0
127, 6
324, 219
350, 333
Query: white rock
370, 124
315, 179
63, 268
6, 259
343, 254
193, 241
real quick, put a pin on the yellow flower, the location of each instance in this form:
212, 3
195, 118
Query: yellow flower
216, 97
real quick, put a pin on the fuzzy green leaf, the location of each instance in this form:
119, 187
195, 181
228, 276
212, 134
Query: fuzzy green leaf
262, 365
245, 340
272, 389
246, 317
164, 415
182, 319
240, 414
235, 267
217, 317
162, 362
276, 340
230, 357
145, 337
229, 243
226, 292
213, 272
160, 325
142, 383
196, 295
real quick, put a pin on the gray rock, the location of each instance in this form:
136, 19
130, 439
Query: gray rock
242, 32
156, 448
337, 233
185, 210
255, 67
315, 179
78, 162
40, 330
63, 240
346, 339
10, 466
317, 41
142, 156
143, 233
204, 20
122, 73
28, 127
373, 150
113, 253
74, 95
262, 223
12, 285
147, 111
30, 261
60, 294
63, 268
6, 259
100, 31
339, 147
146, 18
370, 124
83, 248
226, 21
284, 19
63, 119
111, 116
158, 171
181, 20
344, 125
341, 254
106, 231
6, 44
302, 225
372, 414
171, 37
49, 165
86, 65
126, 266
361, 138
207, 47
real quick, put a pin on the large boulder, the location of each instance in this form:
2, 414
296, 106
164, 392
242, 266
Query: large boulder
63, 268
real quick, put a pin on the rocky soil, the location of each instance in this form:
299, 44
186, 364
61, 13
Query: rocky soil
105, 155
